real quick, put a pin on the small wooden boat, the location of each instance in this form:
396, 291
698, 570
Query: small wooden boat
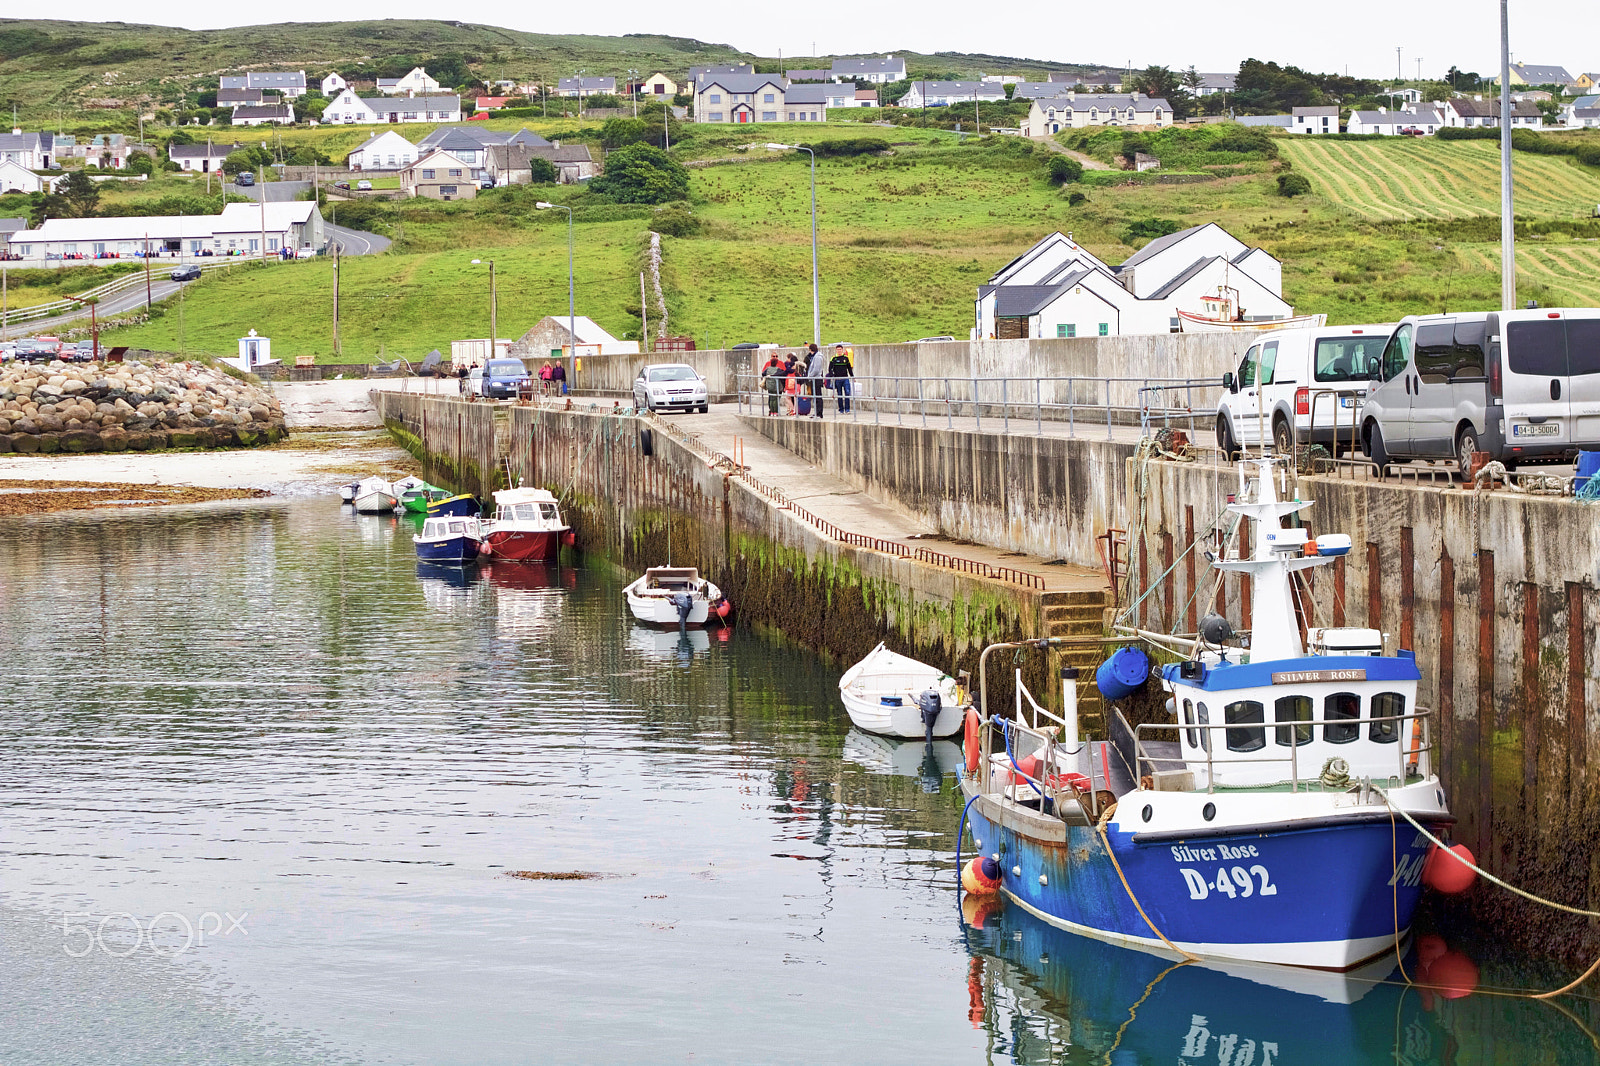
1221, 313
461, 504
893, 695
452, 540
374, 495
526, 526
674, 596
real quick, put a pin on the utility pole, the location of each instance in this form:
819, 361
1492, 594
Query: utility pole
1508, 223
335, 297
494, 312
1398, 75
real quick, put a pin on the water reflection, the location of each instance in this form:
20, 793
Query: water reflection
929, 762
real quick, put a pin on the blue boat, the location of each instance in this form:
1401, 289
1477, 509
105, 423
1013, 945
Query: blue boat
462, 504
453, 540
1260, 823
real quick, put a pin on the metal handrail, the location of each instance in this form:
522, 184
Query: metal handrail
113, 287
1421, 714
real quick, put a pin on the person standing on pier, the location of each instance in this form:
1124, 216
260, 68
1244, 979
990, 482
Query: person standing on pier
790, 384
816, 373
772, 382
840, 371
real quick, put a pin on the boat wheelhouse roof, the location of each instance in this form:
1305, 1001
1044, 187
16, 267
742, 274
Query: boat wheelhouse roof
505, 497
1305, 670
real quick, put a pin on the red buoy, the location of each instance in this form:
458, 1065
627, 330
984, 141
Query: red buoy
1443, 874
724, 609
569, 538
981, 876
969, 739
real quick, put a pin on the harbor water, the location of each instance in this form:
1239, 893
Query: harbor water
273, 792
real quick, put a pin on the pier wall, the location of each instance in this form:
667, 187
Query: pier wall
780, 572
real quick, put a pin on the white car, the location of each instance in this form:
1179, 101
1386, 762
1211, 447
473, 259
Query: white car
1300, 386
669, 386
364, 185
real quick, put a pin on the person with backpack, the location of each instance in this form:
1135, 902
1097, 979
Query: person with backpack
840, 371
816, 375
772, 382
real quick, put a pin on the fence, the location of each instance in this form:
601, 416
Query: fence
62, 307
1094, 402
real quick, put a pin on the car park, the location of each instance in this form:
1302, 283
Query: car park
186, 273
1523, 386
504, 378
38, 350
363, 185
670, 386
1299, 386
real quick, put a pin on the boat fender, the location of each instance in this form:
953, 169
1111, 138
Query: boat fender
1123, 673
969, 739
1447, 973
724, 609
569, 538
1444, 874
981, 876
928, 706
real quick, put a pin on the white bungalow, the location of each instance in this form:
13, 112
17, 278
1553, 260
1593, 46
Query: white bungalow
383, 151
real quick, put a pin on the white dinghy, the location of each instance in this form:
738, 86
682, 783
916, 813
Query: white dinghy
887, 693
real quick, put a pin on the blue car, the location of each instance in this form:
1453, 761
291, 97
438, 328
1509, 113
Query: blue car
502, 378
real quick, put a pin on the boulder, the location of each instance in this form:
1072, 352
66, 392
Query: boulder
186, 438
114, 440
24, 443
49, 443
136, 442
79, 440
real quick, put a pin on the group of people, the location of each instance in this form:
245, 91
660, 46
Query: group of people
799, 382
553, 379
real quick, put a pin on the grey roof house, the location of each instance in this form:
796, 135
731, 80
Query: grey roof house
585, 86
878, 71
290, 83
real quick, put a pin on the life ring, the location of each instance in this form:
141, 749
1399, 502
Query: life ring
970, 739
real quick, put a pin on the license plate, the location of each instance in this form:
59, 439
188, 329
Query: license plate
1350, 401
1543, 429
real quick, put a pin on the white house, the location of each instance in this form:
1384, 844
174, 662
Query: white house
416, 83
1314, 119
263, 115
349, 109
741, 98
30, 150
1058, 289
1570, 112
1584, 118
1475, 111
333, 84
200, 158
287, 83
14, 177
946, 93
1211, 84
294, 224
877, 71
1078, 110
383, 151
1393, 123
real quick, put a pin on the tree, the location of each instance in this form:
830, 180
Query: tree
81, 194
246, 159
180, 136
1161, 83
1064, 170
541, 171
642, 174
1292, 184
50, 205
619, 132
141, 163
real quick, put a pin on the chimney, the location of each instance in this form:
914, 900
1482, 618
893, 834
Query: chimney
16, 131
1382, 110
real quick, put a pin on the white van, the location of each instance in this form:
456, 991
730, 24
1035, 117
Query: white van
1299, 386
1522, 385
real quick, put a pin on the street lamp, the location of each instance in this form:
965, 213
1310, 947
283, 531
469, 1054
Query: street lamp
494, 311
572, 318
816, 303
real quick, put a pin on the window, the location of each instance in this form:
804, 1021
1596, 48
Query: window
1269, 360
1449, 351
455, 173
272, 244
1341, 710
1583, 345
1202, 717
716, 116
766, 98
769, 116
1537, 348
427, 175
1063, 329
1105, 329
447, 190
1386, 705
1293, 709
1346, 358
791, 116
1174, 325
1245, 713
1397, 356
1188, 719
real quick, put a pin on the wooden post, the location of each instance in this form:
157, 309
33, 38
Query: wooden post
1407, 591
1445, 723
1485, 756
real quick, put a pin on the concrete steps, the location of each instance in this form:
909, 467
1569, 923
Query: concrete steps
1081, 613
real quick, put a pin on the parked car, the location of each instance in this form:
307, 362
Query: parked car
186, 273
1299, 386
341, 185
38, 349
1522, 385
1411, 131
83, 351
931, 340
245, 178
667, 386
503, 377
364, 185
486, 183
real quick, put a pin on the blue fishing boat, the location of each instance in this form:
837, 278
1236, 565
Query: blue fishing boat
453, 540
1261, 823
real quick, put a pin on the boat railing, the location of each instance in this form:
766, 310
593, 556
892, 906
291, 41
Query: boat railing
1055, 786
1413, 752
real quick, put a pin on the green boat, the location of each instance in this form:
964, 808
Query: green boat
417, 494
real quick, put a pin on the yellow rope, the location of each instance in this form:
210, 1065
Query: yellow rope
1100, 827
1132, 1011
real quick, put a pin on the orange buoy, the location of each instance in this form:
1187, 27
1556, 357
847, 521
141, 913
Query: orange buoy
981, 876
976, 910
969, 739
1444, 874
1444, 972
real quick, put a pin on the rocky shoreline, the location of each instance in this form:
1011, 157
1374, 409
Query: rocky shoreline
64, 407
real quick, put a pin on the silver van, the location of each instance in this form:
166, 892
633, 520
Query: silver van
1299, 386
1521, 385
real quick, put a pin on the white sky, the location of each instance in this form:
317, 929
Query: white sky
1213, 37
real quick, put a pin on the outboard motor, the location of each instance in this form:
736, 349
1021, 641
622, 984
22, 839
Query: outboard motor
929, 704
684, 603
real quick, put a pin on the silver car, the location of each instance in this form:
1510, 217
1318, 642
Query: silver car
669, 386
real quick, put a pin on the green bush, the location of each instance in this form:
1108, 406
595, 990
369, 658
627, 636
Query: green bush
675, 220
541, 171
1077, 198
1293, 185
1064, 170
1149, 229
849, 146
642, 174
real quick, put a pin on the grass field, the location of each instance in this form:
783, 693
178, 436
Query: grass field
904, 243
1415, 177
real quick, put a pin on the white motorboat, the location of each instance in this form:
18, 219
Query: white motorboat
884, 694
373, 495
674, 596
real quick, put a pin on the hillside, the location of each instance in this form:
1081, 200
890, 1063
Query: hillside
107, 71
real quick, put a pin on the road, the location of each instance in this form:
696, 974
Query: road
277, 191
355, 241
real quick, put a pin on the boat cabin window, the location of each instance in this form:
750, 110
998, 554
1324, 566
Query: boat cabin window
1341, 710
1386, 705
1188, 719
1293, 709
1203, 718
1245, 712
547, 510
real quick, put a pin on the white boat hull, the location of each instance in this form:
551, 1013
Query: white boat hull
656, 607
1193, 323
904, 721
375, 502
884, 674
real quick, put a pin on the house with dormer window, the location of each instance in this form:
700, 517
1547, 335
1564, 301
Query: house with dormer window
1080, 110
